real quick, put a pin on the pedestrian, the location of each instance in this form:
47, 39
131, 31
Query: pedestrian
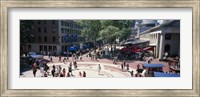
34, 67
59, 68
53, 72
99, 68
127, 66
68, 74
64, 60
122, 66
51, 59
84, 74
61, 74
60, 59
41, 69
75, 65
138, 66
70, 69
80, 56
80, 74
124, 63
132, 73
64, 72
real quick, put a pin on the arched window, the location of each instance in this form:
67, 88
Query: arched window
167, 48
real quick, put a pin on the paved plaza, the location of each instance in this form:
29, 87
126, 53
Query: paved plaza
108, 69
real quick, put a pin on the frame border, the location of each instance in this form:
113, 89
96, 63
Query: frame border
6, 4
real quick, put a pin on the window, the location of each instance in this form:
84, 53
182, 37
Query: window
45, 30
54, 48
167, 48
39, 22
62, 23
45, 39
44, 22
62, 30
39, 39
53, 22
39, 29
62, 40
67, 24
150, 25
67, 30
62, 48
167, 36
50, 48
54, 39
45, 48
53, 30
29, 47
41, 48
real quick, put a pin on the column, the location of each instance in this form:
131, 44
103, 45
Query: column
161, 49
157, 45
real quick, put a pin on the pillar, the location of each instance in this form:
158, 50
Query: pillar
161, 49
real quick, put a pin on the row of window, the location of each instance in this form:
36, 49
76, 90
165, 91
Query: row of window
45, 39
69, 24
45, 22
47, 48
45, 30
70, 39
69, 31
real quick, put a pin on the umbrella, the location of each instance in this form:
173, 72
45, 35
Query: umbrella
72, 49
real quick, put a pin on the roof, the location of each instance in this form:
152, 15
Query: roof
135, 42
161, 74
156, 28
153, 65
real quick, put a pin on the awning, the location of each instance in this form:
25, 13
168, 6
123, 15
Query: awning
161, 74
72, 49
153, 65
148, 48
136, 50
36, 56
136, 42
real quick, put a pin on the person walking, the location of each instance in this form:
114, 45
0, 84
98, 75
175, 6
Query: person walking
64, 72
51, 59
84, 74
127, 66
99, 68
124, 63
70, 69
138, 66
53, 71
80, 75
60, 59
132, 73
122, 66
34, 67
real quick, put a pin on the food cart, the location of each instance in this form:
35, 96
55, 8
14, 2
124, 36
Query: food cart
150, 68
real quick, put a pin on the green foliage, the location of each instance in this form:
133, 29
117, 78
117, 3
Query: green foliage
106, 30
25, 31
109, 34
90, 28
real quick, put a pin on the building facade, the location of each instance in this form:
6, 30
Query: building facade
53, 36
164, 38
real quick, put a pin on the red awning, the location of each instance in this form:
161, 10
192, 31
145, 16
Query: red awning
148, 48
136, 50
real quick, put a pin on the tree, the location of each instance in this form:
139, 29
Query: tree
90, 29
124, 27
25, 33
109, 34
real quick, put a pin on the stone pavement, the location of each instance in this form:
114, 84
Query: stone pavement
108, 69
